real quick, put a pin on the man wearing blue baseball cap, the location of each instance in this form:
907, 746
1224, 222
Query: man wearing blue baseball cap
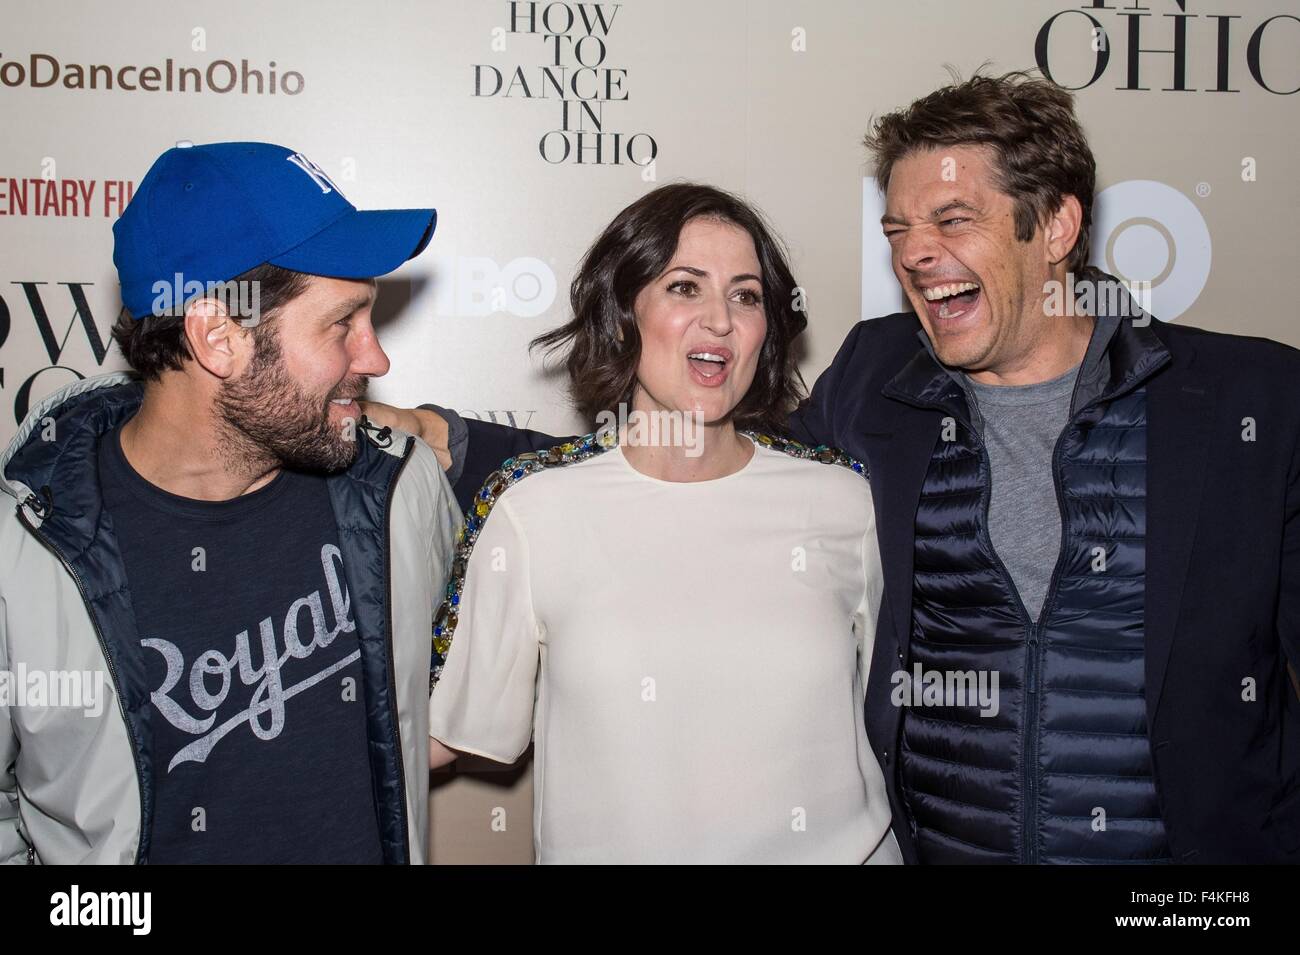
239, 569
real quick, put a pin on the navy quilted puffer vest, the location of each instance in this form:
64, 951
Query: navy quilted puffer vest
1063, 771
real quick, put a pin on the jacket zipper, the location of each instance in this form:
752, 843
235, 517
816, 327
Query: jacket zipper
1029, 716
392, 669
1033, 670
1029, 745
112, 672
1034, 652
1034, 658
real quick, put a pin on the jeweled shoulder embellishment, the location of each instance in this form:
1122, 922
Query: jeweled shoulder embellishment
512, 471
823, 453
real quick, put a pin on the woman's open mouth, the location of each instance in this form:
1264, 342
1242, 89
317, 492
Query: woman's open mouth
952, 300
709, 366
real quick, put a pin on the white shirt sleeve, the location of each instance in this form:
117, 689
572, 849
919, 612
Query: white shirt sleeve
483, 702
873, 591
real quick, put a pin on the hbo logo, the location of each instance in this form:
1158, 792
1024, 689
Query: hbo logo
473, 286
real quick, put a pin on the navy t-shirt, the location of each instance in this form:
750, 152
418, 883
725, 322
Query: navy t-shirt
258, 713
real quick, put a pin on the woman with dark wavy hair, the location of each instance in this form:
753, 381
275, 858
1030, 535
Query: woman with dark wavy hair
678, 608
604, 335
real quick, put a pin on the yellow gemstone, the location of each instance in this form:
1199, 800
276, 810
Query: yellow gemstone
567, 447
481, 509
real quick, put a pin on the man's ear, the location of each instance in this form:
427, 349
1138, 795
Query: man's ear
1062, 229
218, 342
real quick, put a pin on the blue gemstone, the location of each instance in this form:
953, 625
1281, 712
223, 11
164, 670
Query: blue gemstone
857, 467
455, 601
518, 473
437, 631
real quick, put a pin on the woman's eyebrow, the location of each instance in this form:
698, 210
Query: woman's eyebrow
742, 277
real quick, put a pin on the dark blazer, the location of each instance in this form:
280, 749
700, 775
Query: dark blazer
1223, 565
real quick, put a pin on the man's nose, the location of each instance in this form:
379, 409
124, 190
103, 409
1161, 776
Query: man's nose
368, 358
917, 250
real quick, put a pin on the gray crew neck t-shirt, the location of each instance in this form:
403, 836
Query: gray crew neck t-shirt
1021, 424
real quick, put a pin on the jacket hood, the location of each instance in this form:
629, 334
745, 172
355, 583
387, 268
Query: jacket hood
79, 413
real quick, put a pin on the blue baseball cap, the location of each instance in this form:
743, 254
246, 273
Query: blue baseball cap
208, 213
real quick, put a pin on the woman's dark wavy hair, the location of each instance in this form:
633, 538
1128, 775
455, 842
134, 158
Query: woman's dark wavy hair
631, 253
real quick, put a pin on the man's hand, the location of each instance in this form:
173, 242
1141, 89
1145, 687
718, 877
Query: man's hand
429, 426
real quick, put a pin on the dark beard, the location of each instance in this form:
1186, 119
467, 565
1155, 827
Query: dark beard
271, 420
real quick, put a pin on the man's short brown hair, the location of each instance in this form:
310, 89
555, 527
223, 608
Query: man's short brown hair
154, 343
1041, 152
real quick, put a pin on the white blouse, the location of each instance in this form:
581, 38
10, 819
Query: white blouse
689, 657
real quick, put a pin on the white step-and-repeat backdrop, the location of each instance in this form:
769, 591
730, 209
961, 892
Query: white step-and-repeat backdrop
528, 125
